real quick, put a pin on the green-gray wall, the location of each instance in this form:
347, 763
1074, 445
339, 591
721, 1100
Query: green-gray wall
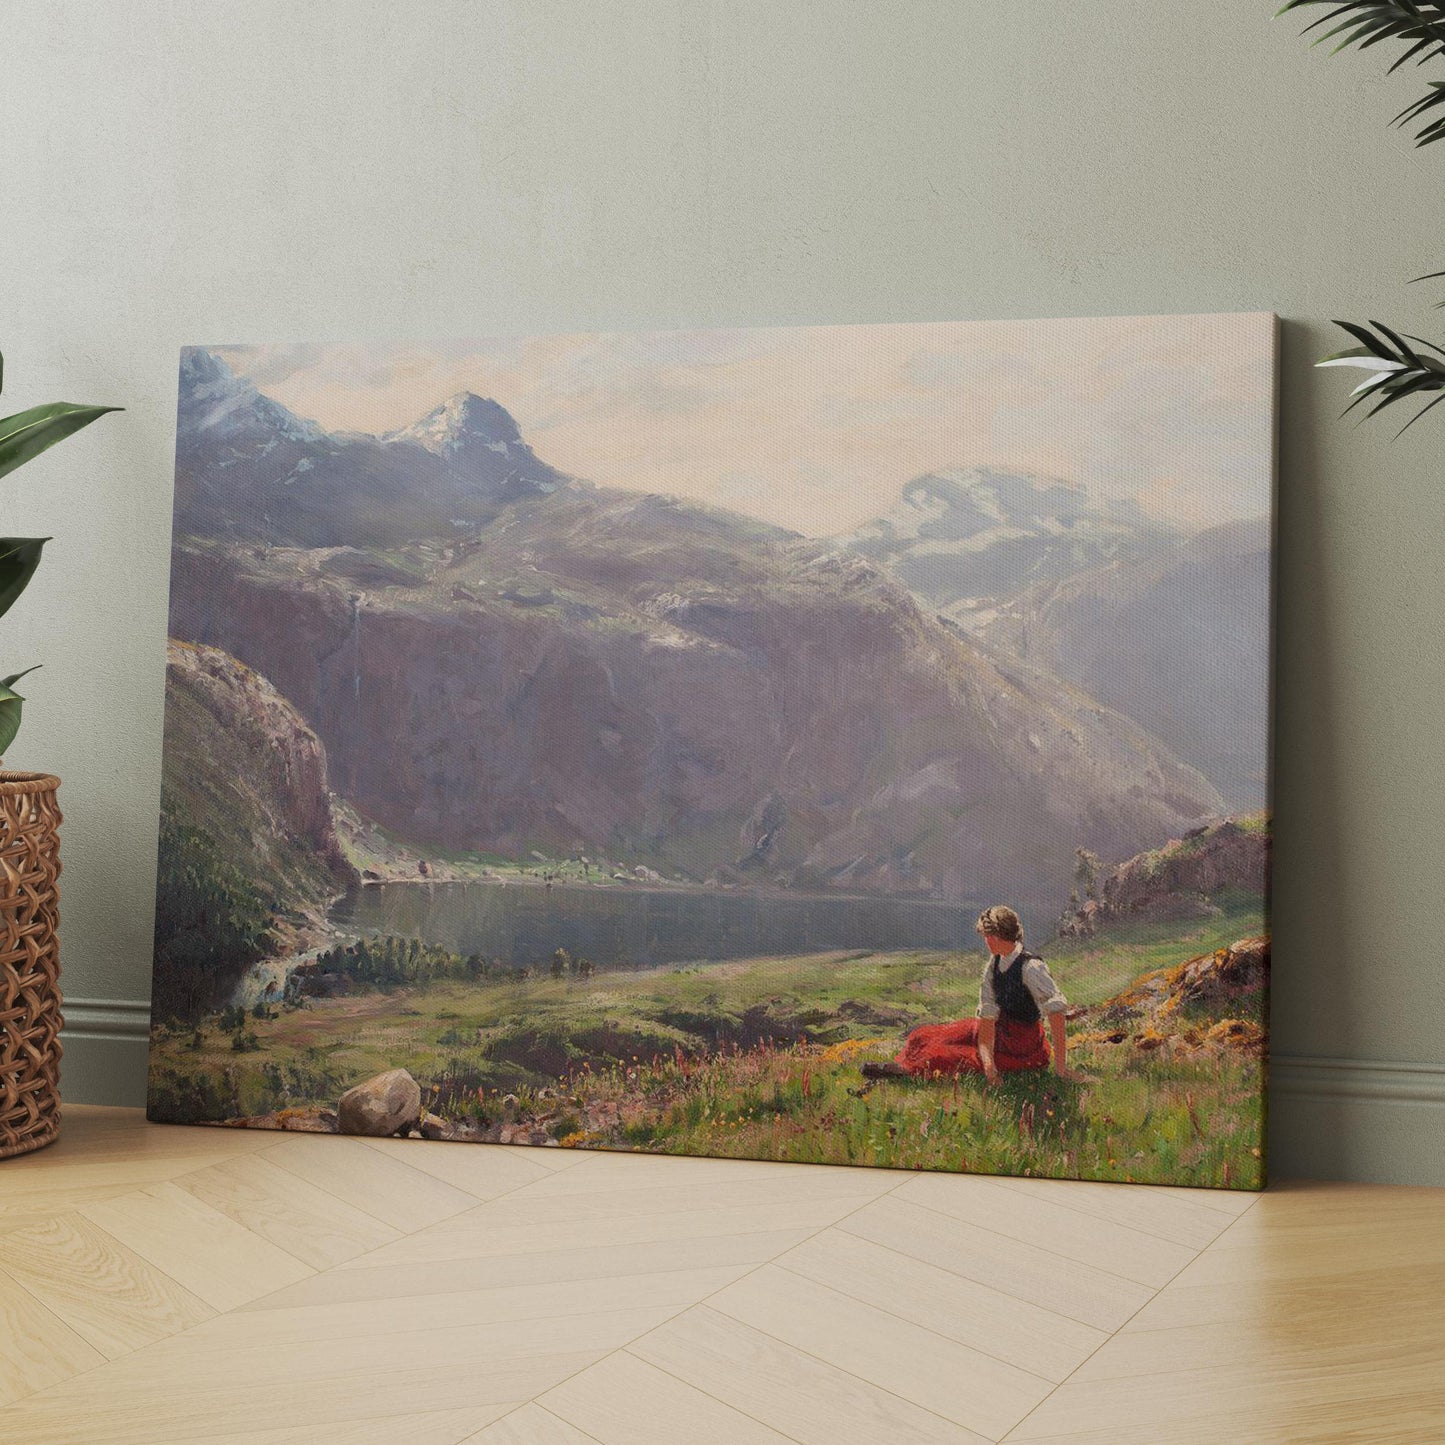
264, 171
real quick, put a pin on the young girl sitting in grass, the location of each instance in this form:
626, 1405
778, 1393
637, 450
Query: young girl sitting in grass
1016, 995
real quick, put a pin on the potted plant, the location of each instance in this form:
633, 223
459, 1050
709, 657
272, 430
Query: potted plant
29, 844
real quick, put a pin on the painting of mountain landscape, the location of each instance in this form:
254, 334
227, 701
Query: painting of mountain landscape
826, 744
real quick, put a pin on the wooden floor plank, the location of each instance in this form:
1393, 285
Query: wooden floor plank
625, 1401
376, 1183
1102, 1243
1079, 1291
1154, 1211
380, 1292
504, 1228
111, 1297
203, 1250
293, 1214
37, 1348
190, 1366
1369, 1296
531, 1425
395, 1315
97, 1131
1017, 1331
482, 1170
432, 1427
1308, 1253
974, 1390
600, 1171
1267, 1396
339, 1286
790, 1389
141, 1415
1228, 1201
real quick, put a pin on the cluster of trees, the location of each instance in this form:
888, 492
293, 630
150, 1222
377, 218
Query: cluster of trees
380, 962
563, 963
244, 1040
212, 923
392, 960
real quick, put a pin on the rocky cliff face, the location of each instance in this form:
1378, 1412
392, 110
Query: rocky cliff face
1178, 640
243, 767
679, 687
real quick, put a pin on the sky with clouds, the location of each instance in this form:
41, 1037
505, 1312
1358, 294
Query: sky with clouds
820, 428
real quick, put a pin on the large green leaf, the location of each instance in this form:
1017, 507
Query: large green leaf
19, 557
10, 705
28, 433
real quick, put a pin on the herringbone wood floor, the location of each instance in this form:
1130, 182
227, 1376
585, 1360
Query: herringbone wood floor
164, 1284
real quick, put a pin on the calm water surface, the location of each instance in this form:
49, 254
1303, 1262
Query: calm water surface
641, 927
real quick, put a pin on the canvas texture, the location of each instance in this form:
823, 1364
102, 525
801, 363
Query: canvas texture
829, 744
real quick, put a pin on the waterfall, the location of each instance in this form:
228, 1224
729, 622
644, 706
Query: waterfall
357, 598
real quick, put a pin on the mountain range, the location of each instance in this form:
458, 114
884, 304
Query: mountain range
498, 657
248, 469
1166, 626
965, 540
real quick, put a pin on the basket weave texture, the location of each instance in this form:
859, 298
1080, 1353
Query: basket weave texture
29, 962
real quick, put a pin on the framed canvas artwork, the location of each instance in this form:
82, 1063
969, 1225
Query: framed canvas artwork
830, 744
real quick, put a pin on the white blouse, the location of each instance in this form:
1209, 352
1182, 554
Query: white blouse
1037, 980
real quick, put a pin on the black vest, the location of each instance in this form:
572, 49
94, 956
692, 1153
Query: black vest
1011, 993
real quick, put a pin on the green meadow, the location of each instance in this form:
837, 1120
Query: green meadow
756, 1058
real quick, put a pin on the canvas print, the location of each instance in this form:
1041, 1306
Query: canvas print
827, 744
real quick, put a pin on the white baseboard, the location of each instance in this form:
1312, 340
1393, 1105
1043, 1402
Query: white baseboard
1353, 1119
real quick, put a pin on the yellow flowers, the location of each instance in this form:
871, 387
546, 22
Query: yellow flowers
845, 1049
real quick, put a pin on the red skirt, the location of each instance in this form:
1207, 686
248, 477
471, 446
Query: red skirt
952, 1048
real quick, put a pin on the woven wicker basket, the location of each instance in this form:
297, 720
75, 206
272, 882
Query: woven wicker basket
29, 962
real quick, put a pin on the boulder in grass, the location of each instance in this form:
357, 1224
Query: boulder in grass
381, 1106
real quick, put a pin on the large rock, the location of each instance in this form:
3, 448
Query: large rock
1183, 879
381, 1106
1228, 978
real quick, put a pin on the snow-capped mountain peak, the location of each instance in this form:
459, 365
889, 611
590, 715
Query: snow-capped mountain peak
461, 422
215, 400
966, 539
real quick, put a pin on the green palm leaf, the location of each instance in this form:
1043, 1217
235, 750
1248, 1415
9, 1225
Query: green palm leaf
1398, 371
1419, 24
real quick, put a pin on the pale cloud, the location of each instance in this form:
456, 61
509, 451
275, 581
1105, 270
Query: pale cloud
819, 428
